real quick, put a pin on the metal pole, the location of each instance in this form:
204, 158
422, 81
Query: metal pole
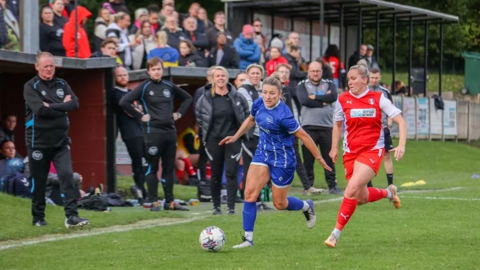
441, 61
345, 47
341, 35
377, 36
410, 54
311, 40
110, 131
328, 34
272, 27
292, 23
425, 60
321, 27
359, 33
29, 26
76, 29
394, 51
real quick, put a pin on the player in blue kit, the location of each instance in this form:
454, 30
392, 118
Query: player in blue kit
274, 158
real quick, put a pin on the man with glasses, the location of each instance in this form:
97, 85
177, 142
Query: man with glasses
259, 38
317, 97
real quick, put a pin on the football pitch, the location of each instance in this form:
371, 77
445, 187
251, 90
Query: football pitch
436, 228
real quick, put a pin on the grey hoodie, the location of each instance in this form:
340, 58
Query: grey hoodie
250, 101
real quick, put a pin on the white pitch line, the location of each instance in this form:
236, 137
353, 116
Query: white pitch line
97, 231
442, 198
126, 228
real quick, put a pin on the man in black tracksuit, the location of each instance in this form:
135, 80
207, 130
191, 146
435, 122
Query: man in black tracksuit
48, 100
132, 134
160, 136
317, 97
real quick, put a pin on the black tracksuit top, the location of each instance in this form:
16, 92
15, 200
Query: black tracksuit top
47, 127
156, 97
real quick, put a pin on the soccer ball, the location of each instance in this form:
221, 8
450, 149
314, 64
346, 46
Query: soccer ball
212, 239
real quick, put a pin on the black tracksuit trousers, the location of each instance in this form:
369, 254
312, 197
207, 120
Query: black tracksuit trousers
164, 146
228, 157
39, 161
136, 149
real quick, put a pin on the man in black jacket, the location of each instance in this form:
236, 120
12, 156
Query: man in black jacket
199, 40
296, 75
212, 32
48, 100
160, 136
223, 55
132, 133
357, 55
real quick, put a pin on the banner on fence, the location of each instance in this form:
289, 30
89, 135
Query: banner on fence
121, 153
397, 101
435, 119
422, 116
450, 118
409, 115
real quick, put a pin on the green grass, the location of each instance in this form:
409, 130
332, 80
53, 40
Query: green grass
181, 192
432, 230
450, 82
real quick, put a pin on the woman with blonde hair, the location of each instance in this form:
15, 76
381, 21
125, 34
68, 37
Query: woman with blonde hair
144, 42
219, 113
168, 55
202, 15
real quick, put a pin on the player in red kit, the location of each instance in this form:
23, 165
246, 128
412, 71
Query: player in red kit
363, 144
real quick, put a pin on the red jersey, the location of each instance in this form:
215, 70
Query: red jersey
272, 64
335, 66
362, 115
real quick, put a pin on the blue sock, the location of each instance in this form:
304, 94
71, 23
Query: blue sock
294, 204
249, 215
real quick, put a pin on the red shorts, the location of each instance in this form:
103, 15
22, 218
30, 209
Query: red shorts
372, 159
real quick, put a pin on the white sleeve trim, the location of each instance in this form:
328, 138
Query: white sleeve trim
297, 129
388, 108
338, 114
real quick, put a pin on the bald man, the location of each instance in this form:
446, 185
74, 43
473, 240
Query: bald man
317, 97
48, 101
132, 134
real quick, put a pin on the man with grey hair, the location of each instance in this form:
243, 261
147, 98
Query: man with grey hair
48, 100
370, 59
317, 97
198, 39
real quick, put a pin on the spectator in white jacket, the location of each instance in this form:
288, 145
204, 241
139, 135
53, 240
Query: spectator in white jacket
119, 29
144, 41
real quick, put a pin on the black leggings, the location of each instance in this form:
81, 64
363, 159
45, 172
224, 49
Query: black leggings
164, 146
225, 156
248, 151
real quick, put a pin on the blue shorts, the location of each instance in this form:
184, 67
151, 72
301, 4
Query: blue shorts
281, 177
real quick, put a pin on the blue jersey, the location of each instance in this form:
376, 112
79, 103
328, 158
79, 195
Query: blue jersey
276, 125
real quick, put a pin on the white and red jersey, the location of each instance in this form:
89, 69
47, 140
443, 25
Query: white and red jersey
363, 120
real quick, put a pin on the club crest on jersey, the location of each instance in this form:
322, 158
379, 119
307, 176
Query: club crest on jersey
37, 155
166, 93
371, 101
251, 93
356, 113
43, 93
151, 93
153, 150
269, 119
60, 93
238, 103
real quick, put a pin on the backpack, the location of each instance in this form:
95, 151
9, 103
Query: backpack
94, 202
439, 105
204, 191
18, 185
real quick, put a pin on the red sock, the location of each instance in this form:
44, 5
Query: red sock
209, 171
347, 208
180, 176
189, 166
375, 194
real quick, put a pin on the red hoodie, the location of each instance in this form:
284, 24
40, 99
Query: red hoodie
69, 35
272, 64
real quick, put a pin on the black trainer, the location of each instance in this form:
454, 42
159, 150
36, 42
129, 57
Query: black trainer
39, 223
335, 191
174, 207
217, 211
231, 211
238, 200
76, 222
263, 207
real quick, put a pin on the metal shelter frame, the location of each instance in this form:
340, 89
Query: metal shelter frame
348, 13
